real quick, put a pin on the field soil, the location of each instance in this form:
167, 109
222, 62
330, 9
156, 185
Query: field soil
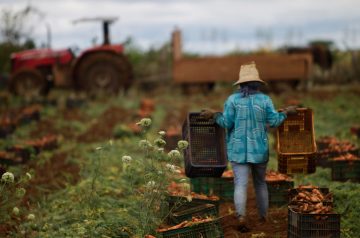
275, 226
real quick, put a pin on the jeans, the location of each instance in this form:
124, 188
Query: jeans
241, 175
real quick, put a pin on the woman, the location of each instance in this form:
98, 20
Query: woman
246, 116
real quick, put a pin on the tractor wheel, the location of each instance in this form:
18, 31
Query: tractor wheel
103, 73
29, 83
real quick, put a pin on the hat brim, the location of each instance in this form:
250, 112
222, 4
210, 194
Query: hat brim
249, 80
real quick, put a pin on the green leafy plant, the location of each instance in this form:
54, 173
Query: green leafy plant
12, 191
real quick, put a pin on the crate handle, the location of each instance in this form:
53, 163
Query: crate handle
298, 158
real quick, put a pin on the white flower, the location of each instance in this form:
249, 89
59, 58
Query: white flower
160, 150
189, 198
98, 148
183, 180
126, 159
20, 192
111, 142
160, 172
162, 133
145, 122
160, 142
144, 144
174, 154
31, 217
7, 177
16, 211
151, 184
28, 175
182, 144
172, 168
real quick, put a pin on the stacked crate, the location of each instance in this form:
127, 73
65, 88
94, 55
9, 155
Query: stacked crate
345, 167
312, 223
205, 159
330, 147
208, 229
296, 144
194, 215
222, 187
278, 186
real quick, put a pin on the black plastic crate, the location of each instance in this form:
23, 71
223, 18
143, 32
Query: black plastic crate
278, 192
210, 229
323, 160
222, 187
301, 225
199, 211
343, 170
206, 154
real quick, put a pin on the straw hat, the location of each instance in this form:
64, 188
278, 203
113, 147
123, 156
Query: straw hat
248, 72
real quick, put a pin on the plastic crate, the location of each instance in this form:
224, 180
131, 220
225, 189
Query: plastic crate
222, 187
301, 225
295, 140
278, 192
343, 170
206, 154
200, 211
211, 229
180, 203
325, 191
295, 164
323, 160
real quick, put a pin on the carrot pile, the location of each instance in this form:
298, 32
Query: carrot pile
178, 190
46, 142
193, 221
327, 140
272, 176
335, 145
11, 156
346, 157
147, 107
228, 174
309, 199
342, 146
5, 121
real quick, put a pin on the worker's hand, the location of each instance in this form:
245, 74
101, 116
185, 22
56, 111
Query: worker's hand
290, 110
207, 113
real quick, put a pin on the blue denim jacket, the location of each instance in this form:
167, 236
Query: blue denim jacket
245, 120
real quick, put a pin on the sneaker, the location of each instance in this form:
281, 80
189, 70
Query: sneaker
243, 227
262, 220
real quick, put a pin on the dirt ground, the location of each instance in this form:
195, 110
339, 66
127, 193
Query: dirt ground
53, 175
102, 129
275, 227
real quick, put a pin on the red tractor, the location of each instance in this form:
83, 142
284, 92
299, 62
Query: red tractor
102, 68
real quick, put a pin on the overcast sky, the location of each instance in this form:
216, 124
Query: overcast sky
209, 26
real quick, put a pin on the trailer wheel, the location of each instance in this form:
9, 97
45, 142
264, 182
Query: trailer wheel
29, 83
103, 73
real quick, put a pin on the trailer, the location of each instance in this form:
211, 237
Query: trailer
274, 68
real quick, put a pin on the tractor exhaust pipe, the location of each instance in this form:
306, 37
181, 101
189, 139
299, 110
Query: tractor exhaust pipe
106, 33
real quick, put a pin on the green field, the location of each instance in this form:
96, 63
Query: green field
84, 188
